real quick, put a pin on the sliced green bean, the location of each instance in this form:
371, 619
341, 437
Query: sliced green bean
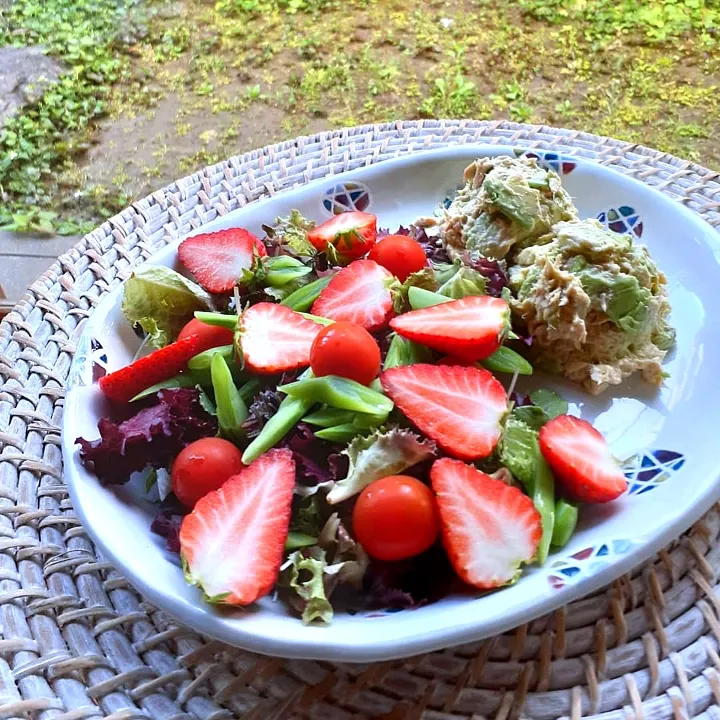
231, 409
405, 352
218, 319
419, 298
179, 381
566, 517
339, 392
289, 413
328, 417
296, 540
543, 496
303, 298
505, 360
339, 433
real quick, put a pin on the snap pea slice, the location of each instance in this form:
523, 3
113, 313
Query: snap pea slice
405, 352
566, 517
341, 393
296, 540
231, 409
289, 413
303, 298
543, 496
339, 433
328, 417
179, 381
419, 298
317, 319
218, 319
202, 360
506, 360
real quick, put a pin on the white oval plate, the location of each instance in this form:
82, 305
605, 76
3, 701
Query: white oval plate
667, 438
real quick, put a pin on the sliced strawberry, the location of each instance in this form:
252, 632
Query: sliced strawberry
232, 542
581, 461
352, 234
488, 528
472, 327
461, 408
274, 338
359, 293
123, 385
217, 259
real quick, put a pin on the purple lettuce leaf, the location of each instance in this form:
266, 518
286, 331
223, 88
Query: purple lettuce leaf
315, 460
151, 437
167, 524
409, 583
490, 269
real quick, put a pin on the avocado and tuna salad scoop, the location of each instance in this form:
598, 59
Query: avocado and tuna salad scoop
593, 301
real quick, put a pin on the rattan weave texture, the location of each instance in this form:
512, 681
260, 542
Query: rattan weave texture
76, 641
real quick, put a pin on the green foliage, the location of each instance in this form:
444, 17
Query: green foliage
35, 143
658, 20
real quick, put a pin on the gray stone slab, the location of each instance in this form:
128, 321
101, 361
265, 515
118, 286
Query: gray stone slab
25, 72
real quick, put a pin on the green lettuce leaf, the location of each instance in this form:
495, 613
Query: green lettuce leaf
315, 606
386, 452
519, 449
292, 231
161, 301
550, 402
465, 281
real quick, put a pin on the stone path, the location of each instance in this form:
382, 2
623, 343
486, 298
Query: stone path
23, 258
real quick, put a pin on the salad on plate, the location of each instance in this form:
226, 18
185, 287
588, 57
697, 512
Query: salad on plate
328, 414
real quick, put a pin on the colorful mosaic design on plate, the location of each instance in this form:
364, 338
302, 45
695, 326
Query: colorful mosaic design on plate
644, 472
549, 160
623, 219
344, 197
586, 562
89, 363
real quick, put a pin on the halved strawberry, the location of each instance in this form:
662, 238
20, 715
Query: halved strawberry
217, 259
488, 528
273, 338
472, 327
359, 293
581, 461
123, 385
351, 234
232, 542
461, 408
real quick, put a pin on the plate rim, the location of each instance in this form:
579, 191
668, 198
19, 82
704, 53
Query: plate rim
197, 617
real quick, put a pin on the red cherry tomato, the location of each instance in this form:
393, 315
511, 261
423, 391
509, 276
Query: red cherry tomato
347, 350
399, 254
203, 466
210, 335
396, 518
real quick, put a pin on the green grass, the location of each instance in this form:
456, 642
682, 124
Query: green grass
239, 73
34, 144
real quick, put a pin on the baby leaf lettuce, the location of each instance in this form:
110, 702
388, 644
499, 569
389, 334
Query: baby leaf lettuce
161, 301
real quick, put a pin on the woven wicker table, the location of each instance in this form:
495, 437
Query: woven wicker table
76, 641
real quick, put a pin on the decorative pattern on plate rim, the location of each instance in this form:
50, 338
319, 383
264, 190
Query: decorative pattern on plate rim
347, 196
622, 219
549, 160
89, 362
586, 562
647, 470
